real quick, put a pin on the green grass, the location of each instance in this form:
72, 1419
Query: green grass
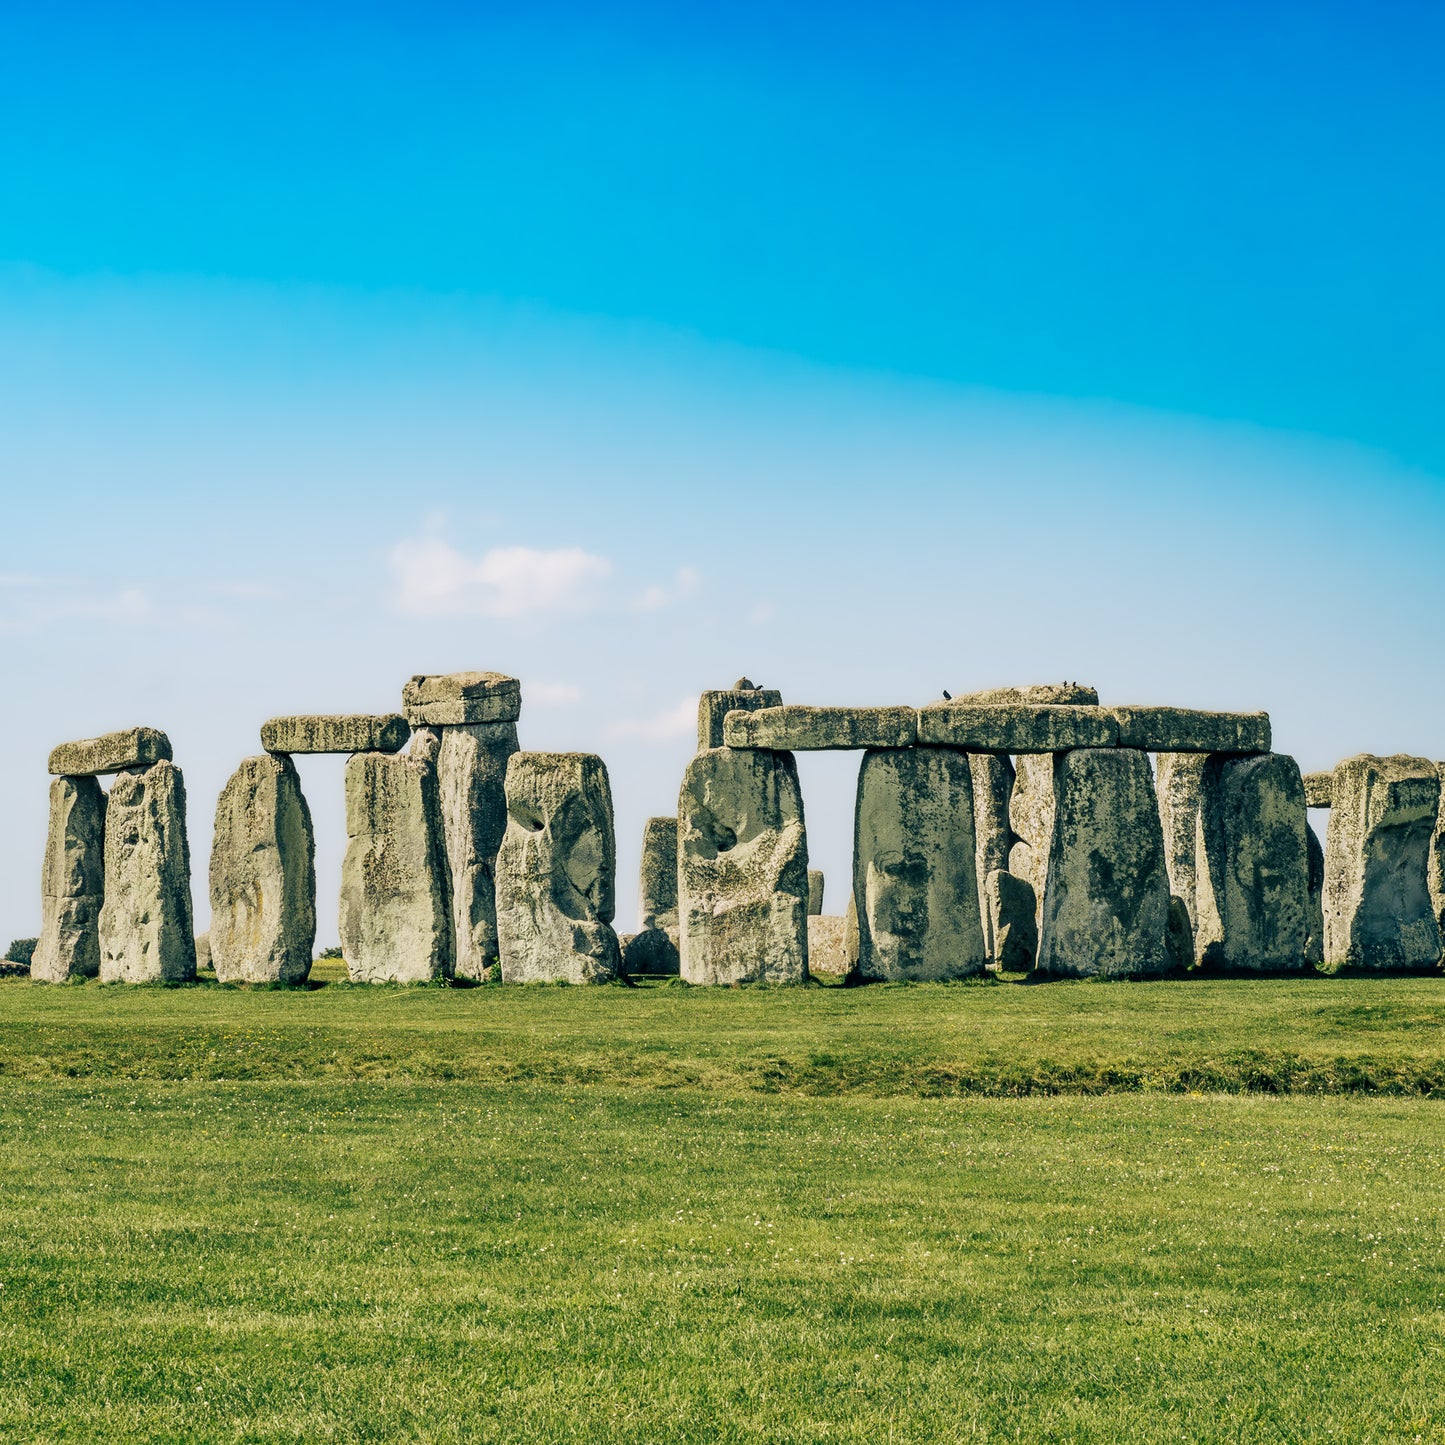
671, 1214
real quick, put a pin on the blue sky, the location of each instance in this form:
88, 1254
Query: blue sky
868, 350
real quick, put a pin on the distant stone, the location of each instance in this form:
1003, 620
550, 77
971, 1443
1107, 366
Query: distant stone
1319, 789
146, 932
913, 866
72, 883
557, 871
1013, 911
850, 934
828, 946
650, 954
815, 892
744, 684
396, 923
262, 876
1186, 730
713, 707
456, 699
1048, 692
1179, 936
111, 753
1016, 728
1106, 899
993, 780
1377, 905
346, 733
1315, 935
797, 728
203, 952
1177, 782
742, 869
658, 874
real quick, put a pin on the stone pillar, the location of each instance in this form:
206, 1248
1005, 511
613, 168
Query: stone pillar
1315, 934
1012, 914
742, 869
1031, 818
1251, 864
913, 866
1177, 780
993, 782
1436, 869
815, 892
146, 932
396, 924
1106, 901
654, 949
557, 871
1377, 905
72, 883
263, 876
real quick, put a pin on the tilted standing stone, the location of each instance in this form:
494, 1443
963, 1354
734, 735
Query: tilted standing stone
557, 871
815, 892
1177, 781
914, 866
263, 876
993, 780
742, 869
1106, 901
72, 883
1252, 864
146, 932
396, 924
1377, 906
654, 950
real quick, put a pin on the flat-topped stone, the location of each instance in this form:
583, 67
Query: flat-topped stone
454, 698
1187, 730
1319, 789
797, 728
1016, 728
111, 753
343, 733
1045, 692
714, 706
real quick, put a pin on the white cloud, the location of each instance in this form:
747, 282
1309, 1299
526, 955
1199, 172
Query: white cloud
762, 614
551, 694
673, 722
433, 579
685, 582
34, 602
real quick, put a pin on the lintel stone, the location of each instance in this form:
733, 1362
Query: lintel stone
1187, 730
1044, 692
456, 698
714, 706
798, 728
111, 753
1017, 728
1319, 789
345, 733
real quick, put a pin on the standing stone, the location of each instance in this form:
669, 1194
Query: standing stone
1251, 865
1377, 906
457, 699
1031, 819
1013, 914
654, 952
396, 924
472, 777
815, 892
1177, 780
1315, 935
72, 883
828, 946
1436, 872
557, 871
993, 781
1179, 936
913, 866
146, 932
742, 869
1106, 902
714, 706
263, 876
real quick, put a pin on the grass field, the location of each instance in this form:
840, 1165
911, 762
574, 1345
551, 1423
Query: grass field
1174, 1211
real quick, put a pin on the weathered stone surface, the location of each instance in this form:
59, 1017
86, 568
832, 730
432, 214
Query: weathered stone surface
472, 778
396, 923
1319, 789
993, 779
815, 892
1252, 865
557, 871
1435, 873
650, 954
798, 728
1377, 906
146, 932
1187, 730
1177, 782
72, 883
263, 876
457, 699
203, 951
346, 733
828, 946
713, 708
659, 874
742, 869
111, 753
1315, 935
913, 866
1031, 819
1014, 914
1179, 936
850, 934
1047, 692
1040, 728
1106, 898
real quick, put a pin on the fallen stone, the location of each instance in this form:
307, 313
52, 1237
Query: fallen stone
742, 869
1014, 913
472, 780
396, 922
650, 954
263, 876
797, 728
1177, 782
815, 892
557, 871
828, 946
993, 779
112, 753
1315, 935
457, 699
1040, 728
659, 875
347, 733
1319, 789
1048, 692
146, 932
1186, 730
1377, 905
713, 708
72, 883
1106, 899
913, 866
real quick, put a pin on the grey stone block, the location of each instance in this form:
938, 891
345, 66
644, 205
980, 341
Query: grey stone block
828, 946
658, 892
111, 753
557, 871
1177, 780
72, 883
1186, 730
1041, 728
203, 951
1013, 910
1319, 789
1047, 692
713, 708
815, 892
262, 876
345, 733
913, 866
798, 728
457, 699
650, 954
